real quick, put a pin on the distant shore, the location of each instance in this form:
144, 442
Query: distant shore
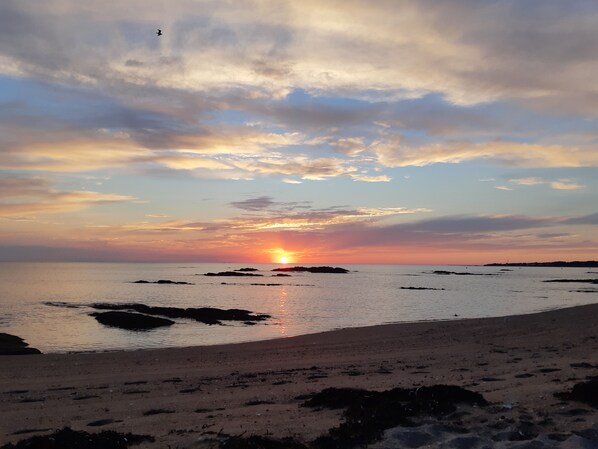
195, 397
574, 264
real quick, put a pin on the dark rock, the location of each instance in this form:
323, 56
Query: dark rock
368, 413
207, 315
246, 269
420, 288
548, 370
312, 269
586, 392
71, 439
524, 431
168, 281
231, 273
258, 402
157, 411
582, 365
103, 422
281, 275
25, 431
587, 281
558, 436
131, 321
163, 281
13, 345
461, 273
590, 434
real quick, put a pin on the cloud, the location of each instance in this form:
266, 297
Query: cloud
316, 219
16, 187
560, 184
566, 184
393, 154
591, 219
336, 233
481, 233
268, 215
464, 50
188, 162
25, 197
350, 146
254, 204
300, 166
315, 87
531, 181
370, 178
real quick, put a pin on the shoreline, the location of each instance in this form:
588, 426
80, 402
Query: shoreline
197, 393
323, 332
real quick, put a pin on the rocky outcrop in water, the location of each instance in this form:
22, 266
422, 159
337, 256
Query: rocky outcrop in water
232, 273
247, 269
131, 321
206, 315
13, 345
163, 281
585, 281
312, 269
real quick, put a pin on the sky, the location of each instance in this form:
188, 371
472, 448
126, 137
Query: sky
413, 132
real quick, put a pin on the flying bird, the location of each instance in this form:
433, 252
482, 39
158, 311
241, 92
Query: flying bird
159, 32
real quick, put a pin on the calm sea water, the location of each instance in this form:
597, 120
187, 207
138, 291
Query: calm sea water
305, 303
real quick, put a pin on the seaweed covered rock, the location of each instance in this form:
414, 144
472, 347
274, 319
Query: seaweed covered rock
586, 392
72, 439
368, 413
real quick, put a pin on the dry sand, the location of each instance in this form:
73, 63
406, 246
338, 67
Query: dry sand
187, 397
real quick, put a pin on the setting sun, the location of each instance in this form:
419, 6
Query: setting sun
279, 255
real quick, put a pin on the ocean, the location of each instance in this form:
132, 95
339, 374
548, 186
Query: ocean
47, 304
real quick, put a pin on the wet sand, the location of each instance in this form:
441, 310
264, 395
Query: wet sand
192, 397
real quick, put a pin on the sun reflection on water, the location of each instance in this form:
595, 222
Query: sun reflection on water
283, 311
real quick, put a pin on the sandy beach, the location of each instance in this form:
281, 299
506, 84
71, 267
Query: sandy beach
196, 397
